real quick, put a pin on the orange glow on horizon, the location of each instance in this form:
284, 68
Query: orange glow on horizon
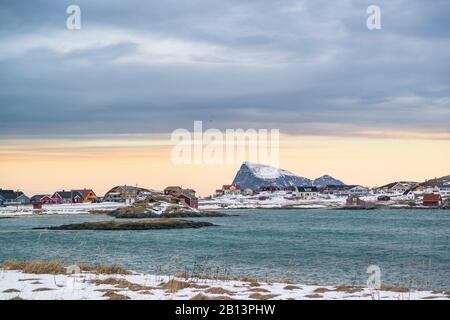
44, 166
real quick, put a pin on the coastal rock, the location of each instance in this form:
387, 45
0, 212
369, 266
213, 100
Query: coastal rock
131, 225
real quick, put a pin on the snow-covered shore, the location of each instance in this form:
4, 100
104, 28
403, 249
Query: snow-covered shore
269, 200
15, 285
69, 208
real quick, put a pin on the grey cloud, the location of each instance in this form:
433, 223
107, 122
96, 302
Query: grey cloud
282, 64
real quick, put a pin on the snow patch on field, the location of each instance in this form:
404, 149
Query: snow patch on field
69, 208
15, 284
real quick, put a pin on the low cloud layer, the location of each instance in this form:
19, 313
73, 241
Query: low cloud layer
306, 67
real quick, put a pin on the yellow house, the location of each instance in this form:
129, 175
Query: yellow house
88, 194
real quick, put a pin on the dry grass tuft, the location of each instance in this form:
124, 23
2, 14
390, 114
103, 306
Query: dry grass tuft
387, 287
291, 287
57, 267
201, 296
42, 289
121, 284
11, 291
175, 285
115, 296
105, 269
259, 296
313, 296
37, 267
258, 290
322, 290
348, 289
217, 290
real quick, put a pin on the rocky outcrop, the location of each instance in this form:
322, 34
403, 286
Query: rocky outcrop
131, 225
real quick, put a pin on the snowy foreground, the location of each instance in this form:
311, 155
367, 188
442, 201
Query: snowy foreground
18, 285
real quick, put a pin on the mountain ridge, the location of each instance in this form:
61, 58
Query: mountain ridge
254, 176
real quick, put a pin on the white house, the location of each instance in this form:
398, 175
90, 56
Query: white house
359, 191
307, 192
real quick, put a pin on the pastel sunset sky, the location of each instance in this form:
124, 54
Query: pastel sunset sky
95, 107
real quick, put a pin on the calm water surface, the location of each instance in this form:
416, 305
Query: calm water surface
307, 246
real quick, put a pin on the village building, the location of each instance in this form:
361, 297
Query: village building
337, 190
249, 192
189, 198
62, 197
124, 193
229, 189
432, 200
172, 190
270, 188
409, 195
398, 187
186, 195
41, 198
307, 192
358, 191
444, 190
11, 197
88, 194
353, 201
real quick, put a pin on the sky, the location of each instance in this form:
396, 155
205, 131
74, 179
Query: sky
95, 107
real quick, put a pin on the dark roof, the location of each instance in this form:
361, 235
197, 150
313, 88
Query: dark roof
69, 194
39, 196
340, 186
307, 189
10, 194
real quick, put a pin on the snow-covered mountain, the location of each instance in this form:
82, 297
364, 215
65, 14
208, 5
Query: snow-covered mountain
327, 180
254, 176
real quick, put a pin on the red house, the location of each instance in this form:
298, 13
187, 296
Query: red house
60, 197
41, 198
432, 200
188, 198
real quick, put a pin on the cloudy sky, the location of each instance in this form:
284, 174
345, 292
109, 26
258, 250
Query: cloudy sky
306, 67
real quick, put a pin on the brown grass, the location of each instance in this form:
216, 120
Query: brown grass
42, 289
104, 269
57, 267
313, 296
387, 287
258, 290
291, 287
121, 284
322, 290
259, 296
348, 289
37, 267
175, 285
115, 296
201, 296
11, 290
217, 290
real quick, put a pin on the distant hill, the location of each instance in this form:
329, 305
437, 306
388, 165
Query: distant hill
436, 181
327, 180
253, 175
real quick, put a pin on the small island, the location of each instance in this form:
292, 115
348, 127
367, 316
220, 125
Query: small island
131, 225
